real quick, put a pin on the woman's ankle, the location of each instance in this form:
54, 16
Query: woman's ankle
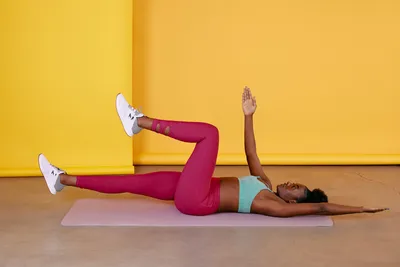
67, 180
145, 122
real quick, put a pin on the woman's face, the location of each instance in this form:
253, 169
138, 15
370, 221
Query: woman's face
291, 192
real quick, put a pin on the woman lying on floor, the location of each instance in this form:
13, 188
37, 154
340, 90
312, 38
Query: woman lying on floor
194, 190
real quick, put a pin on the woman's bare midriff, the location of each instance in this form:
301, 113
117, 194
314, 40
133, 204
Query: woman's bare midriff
229, 194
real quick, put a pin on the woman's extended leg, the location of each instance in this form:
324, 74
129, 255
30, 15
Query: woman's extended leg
160, 185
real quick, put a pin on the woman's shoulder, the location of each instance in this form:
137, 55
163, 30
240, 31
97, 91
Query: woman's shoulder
264, 200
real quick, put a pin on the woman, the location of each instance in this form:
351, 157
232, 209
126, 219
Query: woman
194, 190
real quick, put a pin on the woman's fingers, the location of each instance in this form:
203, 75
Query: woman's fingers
244, 95
247, 95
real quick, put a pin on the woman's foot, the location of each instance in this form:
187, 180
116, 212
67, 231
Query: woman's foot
128, 116
51, 174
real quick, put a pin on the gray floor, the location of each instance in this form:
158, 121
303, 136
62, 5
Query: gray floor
31, 234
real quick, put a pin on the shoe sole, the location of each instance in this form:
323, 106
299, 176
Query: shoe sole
42, 163
121, 98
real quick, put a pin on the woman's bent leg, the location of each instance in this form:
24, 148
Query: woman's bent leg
195, 193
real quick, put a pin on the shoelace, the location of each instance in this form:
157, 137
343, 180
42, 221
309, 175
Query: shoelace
135, 111
58, 169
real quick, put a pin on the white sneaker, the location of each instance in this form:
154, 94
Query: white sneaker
128, 116
51, 174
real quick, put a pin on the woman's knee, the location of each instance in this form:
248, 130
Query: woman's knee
212, 130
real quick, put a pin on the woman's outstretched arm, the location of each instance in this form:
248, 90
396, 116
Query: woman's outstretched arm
278, 209
249, 107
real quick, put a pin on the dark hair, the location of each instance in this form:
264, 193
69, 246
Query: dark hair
315, 196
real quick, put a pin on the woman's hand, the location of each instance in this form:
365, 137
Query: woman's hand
374, 210
249, 104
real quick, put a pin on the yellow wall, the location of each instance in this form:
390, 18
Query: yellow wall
61, 65
325, 74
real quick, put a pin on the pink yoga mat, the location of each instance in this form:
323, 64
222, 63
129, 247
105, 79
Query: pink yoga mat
149, 213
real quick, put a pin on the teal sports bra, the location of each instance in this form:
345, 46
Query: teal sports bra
249, 187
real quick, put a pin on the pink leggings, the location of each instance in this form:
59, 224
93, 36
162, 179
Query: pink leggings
194, 190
